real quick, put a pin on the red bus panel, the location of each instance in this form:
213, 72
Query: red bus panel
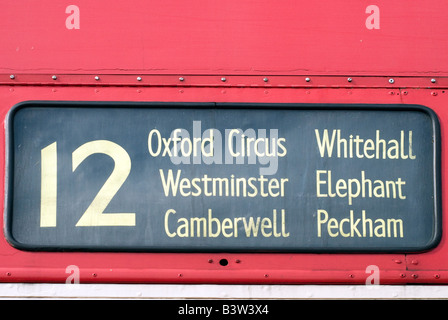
387, 54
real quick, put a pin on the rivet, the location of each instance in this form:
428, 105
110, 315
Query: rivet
415, 276
307, 79
210, 260
237, 261
349, 79
139, 78
434, 93
12, 77
402, 275
433, 80
437, 276
265, 79
97, 78
94, 274
180, 275
223, 79
266, 275
405, 92
415, 262
181, 78
54, 77
8, 274
397, 261
391, 80
351, 275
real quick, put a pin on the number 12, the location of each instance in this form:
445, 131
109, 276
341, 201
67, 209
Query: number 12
94, 215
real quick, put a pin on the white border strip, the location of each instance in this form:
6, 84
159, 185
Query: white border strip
161, 291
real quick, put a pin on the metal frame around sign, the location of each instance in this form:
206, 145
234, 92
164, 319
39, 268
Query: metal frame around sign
291, 106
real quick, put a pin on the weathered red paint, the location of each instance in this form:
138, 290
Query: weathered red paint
245, 42
232, 37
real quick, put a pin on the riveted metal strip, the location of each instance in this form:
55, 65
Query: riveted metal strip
242, 81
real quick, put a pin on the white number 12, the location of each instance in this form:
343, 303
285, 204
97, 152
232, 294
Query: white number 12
94, 215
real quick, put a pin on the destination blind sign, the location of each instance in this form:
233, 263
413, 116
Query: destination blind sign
203, 177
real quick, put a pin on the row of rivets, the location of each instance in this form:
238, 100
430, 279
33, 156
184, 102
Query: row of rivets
224, 262
223, 79
307, 79
402, 275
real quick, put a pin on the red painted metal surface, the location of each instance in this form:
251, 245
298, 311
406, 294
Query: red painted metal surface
250, 37
245, 42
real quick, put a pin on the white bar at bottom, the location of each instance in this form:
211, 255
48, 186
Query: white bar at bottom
161, 291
